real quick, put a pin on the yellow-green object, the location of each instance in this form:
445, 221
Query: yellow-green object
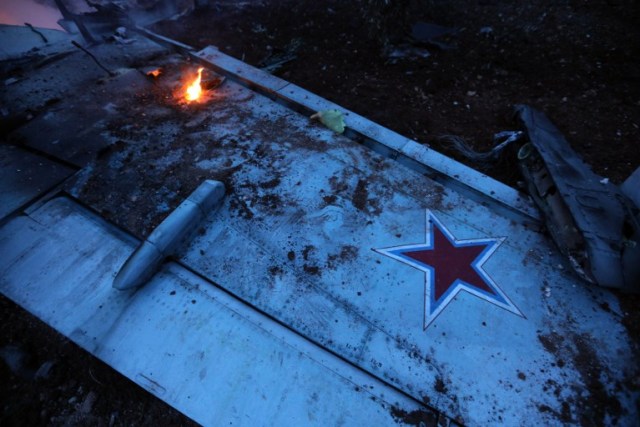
333, 119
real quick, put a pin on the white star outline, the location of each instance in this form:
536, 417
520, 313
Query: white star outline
432, 308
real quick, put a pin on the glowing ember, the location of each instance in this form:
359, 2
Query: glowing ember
154, 73
194, 90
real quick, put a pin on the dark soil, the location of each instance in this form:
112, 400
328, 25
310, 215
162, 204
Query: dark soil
576, 60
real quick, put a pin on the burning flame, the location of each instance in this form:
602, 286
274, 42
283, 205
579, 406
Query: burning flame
154, 73
194, 90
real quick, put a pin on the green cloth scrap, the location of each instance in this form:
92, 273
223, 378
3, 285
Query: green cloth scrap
333, 119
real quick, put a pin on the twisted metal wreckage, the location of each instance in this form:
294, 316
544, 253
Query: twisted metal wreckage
290, 274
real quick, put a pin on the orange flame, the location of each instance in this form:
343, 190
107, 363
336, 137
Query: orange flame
154, 73
194, 90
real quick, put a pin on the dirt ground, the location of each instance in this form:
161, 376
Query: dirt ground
574, 60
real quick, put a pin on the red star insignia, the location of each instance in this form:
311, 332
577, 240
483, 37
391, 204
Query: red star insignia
450, 266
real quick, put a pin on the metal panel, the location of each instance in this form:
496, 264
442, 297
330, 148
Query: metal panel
316, 271
84, 132
393, 143
24, 176
344, 247
310, 262
186, 341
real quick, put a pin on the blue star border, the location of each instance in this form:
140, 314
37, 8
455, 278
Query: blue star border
433, 308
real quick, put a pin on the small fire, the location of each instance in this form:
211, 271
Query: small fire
194, 90
154, 73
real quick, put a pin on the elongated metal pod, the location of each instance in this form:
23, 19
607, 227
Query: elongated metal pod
167, 237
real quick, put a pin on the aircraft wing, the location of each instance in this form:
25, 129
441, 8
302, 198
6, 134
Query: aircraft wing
358, 278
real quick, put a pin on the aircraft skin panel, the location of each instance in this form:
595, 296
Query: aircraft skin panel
25, 176
305, 165
470, 337
181, 338
359, 270
391, 141
310, 260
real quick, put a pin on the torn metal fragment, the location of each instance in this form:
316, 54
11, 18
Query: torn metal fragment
592, 221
